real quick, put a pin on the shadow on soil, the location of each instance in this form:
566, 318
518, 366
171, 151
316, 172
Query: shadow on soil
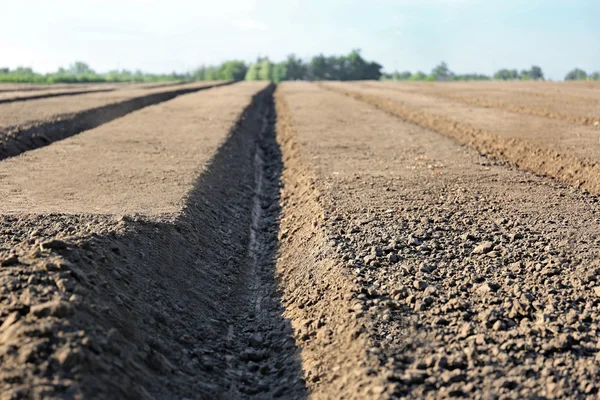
194, 301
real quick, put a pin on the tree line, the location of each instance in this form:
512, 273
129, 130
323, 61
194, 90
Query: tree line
442, 73
80, 72
319, 68
580, 75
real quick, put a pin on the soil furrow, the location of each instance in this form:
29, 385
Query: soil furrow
591, 120
101, 306
479, 280
530, 155
28, 87
52, 94
18, 139
319, 295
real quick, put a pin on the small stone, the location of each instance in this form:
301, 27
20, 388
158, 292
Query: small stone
393, 258
442, 363
75, 298
49, 266
597, 291
54, 244
549, 271
487, 288
416, 377
428, 300
442, 321
420, 285
498, 326
431, 291
11, 260
515, 236
255, 340
67, 356
483, 248
507, 383
55, 308
370, 258
11, 319
413, 241
65, 285
465, 331
453, 377
252, 355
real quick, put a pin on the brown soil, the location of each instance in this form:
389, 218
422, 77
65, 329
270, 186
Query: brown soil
584, 111
28, 87
85, 112
154, 302
42, 94
19, 113
236, 243
560, 150
476, 280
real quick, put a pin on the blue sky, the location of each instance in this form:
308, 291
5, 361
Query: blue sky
166, 35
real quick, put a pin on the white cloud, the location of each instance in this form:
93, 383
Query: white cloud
250, 25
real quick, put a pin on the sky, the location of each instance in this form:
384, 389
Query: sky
180, 35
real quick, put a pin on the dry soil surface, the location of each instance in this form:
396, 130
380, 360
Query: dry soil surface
42, 122
471, 278
18, 113
325, 241
563, 150
169, 298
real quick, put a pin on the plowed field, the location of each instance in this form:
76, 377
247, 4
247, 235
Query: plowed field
358, 240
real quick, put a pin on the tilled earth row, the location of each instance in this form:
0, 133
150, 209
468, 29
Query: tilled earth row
558, 105
474, 279
234, 244
42, 94
560, 149
147, 294
28, 125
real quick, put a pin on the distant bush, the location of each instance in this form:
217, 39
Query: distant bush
80, 72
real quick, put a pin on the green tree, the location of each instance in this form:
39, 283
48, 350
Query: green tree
536, 73
80, 68
252, 74
279, 72
318, 68
441, 72
295, 69
418, 76
507, 74
576, 75
265, 71
200, 74
233, 71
